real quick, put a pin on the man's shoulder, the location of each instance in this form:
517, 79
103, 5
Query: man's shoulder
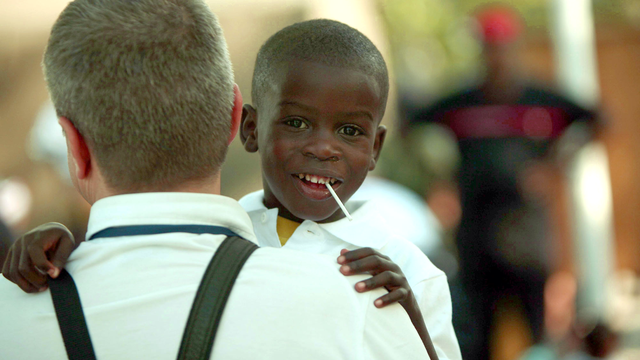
314, 277
297, 264
32, 314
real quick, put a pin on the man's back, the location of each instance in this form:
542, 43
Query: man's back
137, 292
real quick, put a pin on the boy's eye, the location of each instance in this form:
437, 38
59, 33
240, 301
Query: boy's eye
297, 123
350, 131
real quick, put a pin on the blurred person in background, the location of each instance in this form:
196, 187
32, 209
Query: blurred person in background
505, 128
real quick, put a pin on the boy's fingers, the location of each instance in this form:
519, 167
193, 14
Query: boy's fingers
29, 272
52, 248
396, 295
59, 257
38, 259
25, 285
12, 273
361, 253
371, 264
10, 270
388, 279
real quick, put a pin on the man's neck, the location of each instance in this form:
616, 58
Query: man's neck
504, 91
209, 185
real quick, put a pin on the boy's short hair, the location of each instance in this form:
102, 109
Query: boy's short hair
322, 41
149, 85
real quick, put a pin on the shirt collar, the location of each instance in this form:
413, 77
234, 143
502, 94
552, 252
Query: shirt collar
171, 209
368, 228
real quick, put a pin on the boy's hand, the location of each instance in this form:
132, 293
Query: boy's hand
40, 252
385, 273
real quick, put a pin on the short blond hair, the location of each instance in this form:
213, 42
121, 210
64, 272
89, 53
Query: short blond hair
149, 85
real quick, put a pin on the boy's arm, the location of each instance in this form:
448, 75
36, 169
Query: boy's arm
40, 252
388, 275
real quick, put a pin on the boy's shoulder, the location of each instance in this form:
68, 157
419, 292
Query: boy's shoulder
252, 201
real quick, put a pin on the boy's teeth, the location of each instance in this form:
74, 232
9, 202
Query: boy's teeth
316, 179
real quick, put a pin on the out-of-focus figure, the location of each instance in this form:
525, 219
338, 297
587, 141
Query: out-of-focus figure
505, 129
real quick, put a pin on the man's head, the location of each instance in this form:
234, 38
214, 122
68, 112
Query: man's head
147, 85
500, 29
320, 89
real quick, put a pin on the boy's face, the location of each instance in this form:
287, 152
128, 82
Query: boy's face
316, 124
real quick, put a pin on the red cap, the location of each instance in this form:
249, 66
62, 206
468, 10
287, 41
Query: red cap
499, 24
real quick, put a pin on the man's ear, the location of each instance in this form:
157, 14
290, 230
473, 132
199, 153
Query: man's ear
77, 149
249, 128
381, 134
236, 112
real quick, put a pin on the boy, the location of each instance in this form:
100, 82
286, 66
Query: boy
320, 90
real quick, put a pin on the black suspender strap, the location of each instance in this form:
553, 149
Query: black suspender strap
73, 325
133, 230
211, 298
206, 310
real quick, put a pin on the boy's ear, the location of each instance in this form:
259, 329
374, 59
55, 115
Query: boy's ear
381, 134
249, 128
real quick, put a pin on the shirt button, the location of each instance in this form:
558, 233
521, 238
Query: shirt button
264, 218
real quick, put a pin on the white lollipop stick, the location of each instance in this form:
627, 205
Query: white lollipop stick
335, 196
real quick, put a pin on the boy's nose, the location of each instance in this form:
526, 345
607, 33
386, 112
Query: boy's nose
323, 148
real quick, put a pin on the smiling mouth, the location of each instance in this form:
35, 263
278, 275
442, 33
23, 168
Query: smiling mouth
317, 179
314, 187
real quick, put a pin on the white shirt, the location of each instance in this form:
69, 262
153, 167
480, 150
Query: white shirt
137, 292
368, 229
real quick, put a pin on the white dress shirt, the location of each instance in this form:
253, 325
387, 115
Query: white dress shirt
137, 292
368, 229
